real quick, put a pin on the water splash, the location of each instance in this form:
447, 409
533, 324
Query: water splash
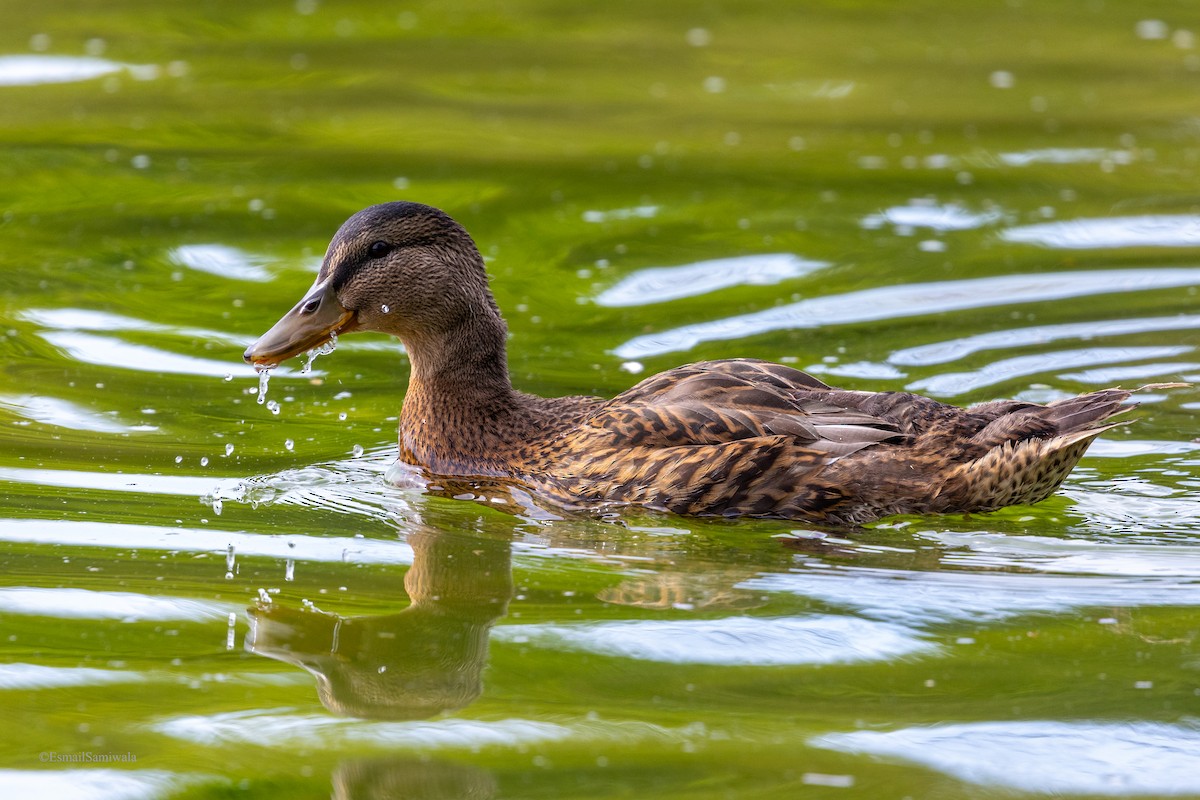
320, 350
264, 377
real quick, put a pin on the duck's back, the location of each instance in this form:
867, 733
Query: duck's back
752, 438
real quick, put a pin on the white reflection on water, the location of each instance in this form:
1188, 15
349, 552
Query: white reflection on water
205, 540
64, 414
98, 784
110, 481
1162, 562
909, 300
107, 351
931, 598
281, 727
31, 70
125, 606
277, 727
918, 214
1152, 230
1107, 511
222, 260
1113, 376
1066, 155
952, 383
659, 284
954, 349
25, 677
740, 641
636, 212
19, 677
1045, 757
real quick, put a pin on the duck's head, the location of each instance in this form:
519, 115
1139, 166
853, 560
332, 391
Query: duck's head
401, 268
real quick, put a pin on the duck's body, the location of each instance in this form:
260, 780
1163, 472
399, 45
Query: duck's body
735, 437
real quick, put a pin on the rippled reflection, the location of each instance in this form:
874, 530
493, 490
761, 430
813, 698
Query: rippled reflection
1161, 230
660, 284
954, 349
732, 641
1046, 757
930, 215
929, 598
896, 302
953, 383
64, 414
30, 70
222, 260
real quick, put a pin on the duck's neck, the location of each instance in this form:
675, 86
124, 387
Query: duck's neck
461, 415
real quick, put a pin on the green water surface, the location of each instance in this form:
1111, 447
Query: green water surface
203, 596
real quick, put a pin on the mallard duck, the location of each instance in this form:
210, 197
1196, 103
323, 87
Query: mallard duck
736, 437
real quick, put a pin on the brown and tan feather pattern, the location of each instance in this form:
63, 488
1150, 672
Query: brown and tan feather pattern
735, 437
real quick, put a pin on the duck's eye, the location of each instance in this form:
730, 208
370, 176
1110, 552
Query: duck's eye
379, 249
311, 306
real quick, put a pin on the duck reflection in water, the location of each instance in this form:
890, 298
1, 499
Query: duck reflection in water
411, 779
424, 660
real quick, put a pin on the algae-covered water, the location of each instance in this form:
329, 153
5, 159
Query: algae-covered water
207, 597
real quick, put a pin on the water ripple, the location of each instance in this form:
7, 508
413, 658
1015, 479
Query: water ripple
954, 383
222, 260
918, 214
741, 641
276, 728
106, 351
31, 70
1153, 230
1066, 155
330, 549
909, 300
954, 349
64, 414
660, 284
100, 784
125, 606
1045, 756
932, 598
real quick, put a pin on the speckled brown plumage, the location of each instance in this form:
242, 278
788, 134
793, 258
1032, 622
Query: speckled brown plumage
735, 437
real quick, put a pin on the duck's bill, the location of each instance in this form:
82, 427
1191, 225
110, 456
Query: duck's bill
311, 323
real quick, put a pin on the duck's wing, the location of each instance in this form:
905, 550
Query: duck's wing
718, 402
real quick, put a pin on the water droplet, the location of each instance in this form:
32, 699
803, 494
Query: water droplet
217, 506
263, 378
385, 309
263, 597
289, 570
231, 634
320, 350
230, 559
342, 416
204, 461
228, 576
178, 459
228, 377
229, 449
273, 407
357, 450
289, 444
